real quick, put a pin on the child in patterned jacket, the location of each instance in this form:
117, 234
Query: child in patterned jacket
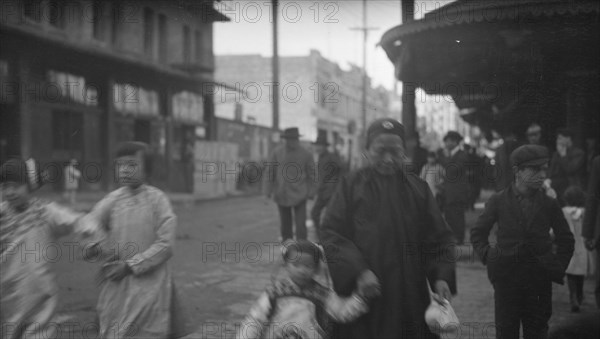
29, 229
295, 304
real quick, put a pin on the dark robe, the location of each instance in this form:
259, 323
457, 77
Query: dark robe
392, 226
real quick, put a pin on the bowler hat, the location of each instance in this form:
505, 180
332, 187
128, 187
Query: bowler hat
321, 140
291, 133
454, 135
529, 155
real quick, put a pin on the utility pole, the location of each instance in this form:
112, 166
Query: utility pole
275, 67
409, 110
365, 30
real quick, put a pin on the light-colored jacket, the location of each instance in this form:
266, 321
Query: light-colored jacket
580, 263
290, 176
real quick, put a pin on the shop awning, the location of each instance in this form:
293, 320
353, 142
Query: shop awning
500, 60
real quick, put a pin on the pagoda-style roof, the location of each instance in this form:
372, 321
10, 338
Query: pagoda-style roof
497, 58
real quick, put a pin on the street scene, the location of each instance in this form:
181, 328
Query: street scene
299, 169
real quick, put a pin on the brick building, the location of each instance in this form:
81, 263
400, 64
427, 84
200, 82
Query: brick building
80, 76
316, 95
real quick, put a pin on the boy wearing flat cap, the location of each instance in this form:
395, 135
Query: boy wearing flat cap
521, 265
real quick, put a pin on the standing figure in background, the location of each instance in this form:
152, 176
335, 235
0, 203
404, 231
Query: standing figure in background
591, 151
72, 175
567, 165
28, 288
455, 188
291, 183
433, 174
580, 263
591, 220
534, 134
329, 170
137, 293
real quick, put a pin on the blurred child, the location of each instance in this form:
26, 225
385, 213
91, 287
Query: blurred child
28, 289
579, 265
72, 175
433, 174
295, 304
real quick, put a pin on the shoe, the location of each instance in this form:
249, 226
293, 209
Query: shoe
574, 309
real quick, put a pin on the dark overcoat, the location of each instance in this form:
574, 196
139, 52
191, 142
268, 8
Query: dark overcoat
392, 226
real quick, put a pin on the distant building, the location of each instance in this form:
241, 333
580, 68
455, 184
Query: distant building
80, 76
316, 95
436, 115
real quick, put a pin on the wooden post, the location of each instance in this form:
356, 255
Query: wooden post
409, 110
275, 66
167, 102
109, 132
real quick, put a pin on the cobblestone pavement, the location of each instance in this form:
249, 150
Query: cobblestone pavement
226, 253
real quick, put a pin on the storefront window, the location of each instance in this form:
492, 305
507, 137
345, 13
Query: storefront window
132, 99
188, 107
67, 87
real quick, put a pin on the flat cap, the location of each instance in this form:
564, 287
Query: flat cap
529, 155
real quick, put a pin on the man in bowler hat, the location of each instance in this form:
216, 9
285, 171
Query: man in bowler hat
522, 265
329, 168
290, 182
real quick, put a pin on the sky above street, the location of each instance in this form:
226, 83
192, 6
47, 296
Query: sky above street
326, 26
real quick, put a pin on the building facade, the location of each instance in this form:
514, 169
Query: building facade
315, 95
436, 115
78, 77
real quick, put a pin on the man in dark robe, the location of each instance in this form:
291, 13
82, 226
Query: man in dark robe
329, 168
383, 225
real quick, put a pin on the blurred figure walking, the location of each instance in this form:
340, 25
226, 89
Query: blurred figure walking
329, 168
291, 183
28, 288
72, 175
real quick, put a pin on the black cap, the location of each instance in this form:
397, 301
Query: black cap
454, 135
529, 155
131, 148
384, 126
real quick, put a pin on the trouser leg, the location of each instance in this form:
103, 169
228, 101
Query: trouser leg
579, 288
537, 309
285, 214
507, 303
572, 284
317, 210
300, 218
455, 217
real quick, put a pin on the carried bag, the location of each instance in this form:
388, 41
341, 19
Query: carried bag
440, 318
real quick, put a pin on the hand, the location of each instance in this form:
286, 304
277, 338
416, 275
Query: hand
117, 271
442, 290
368, 285
589, 244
